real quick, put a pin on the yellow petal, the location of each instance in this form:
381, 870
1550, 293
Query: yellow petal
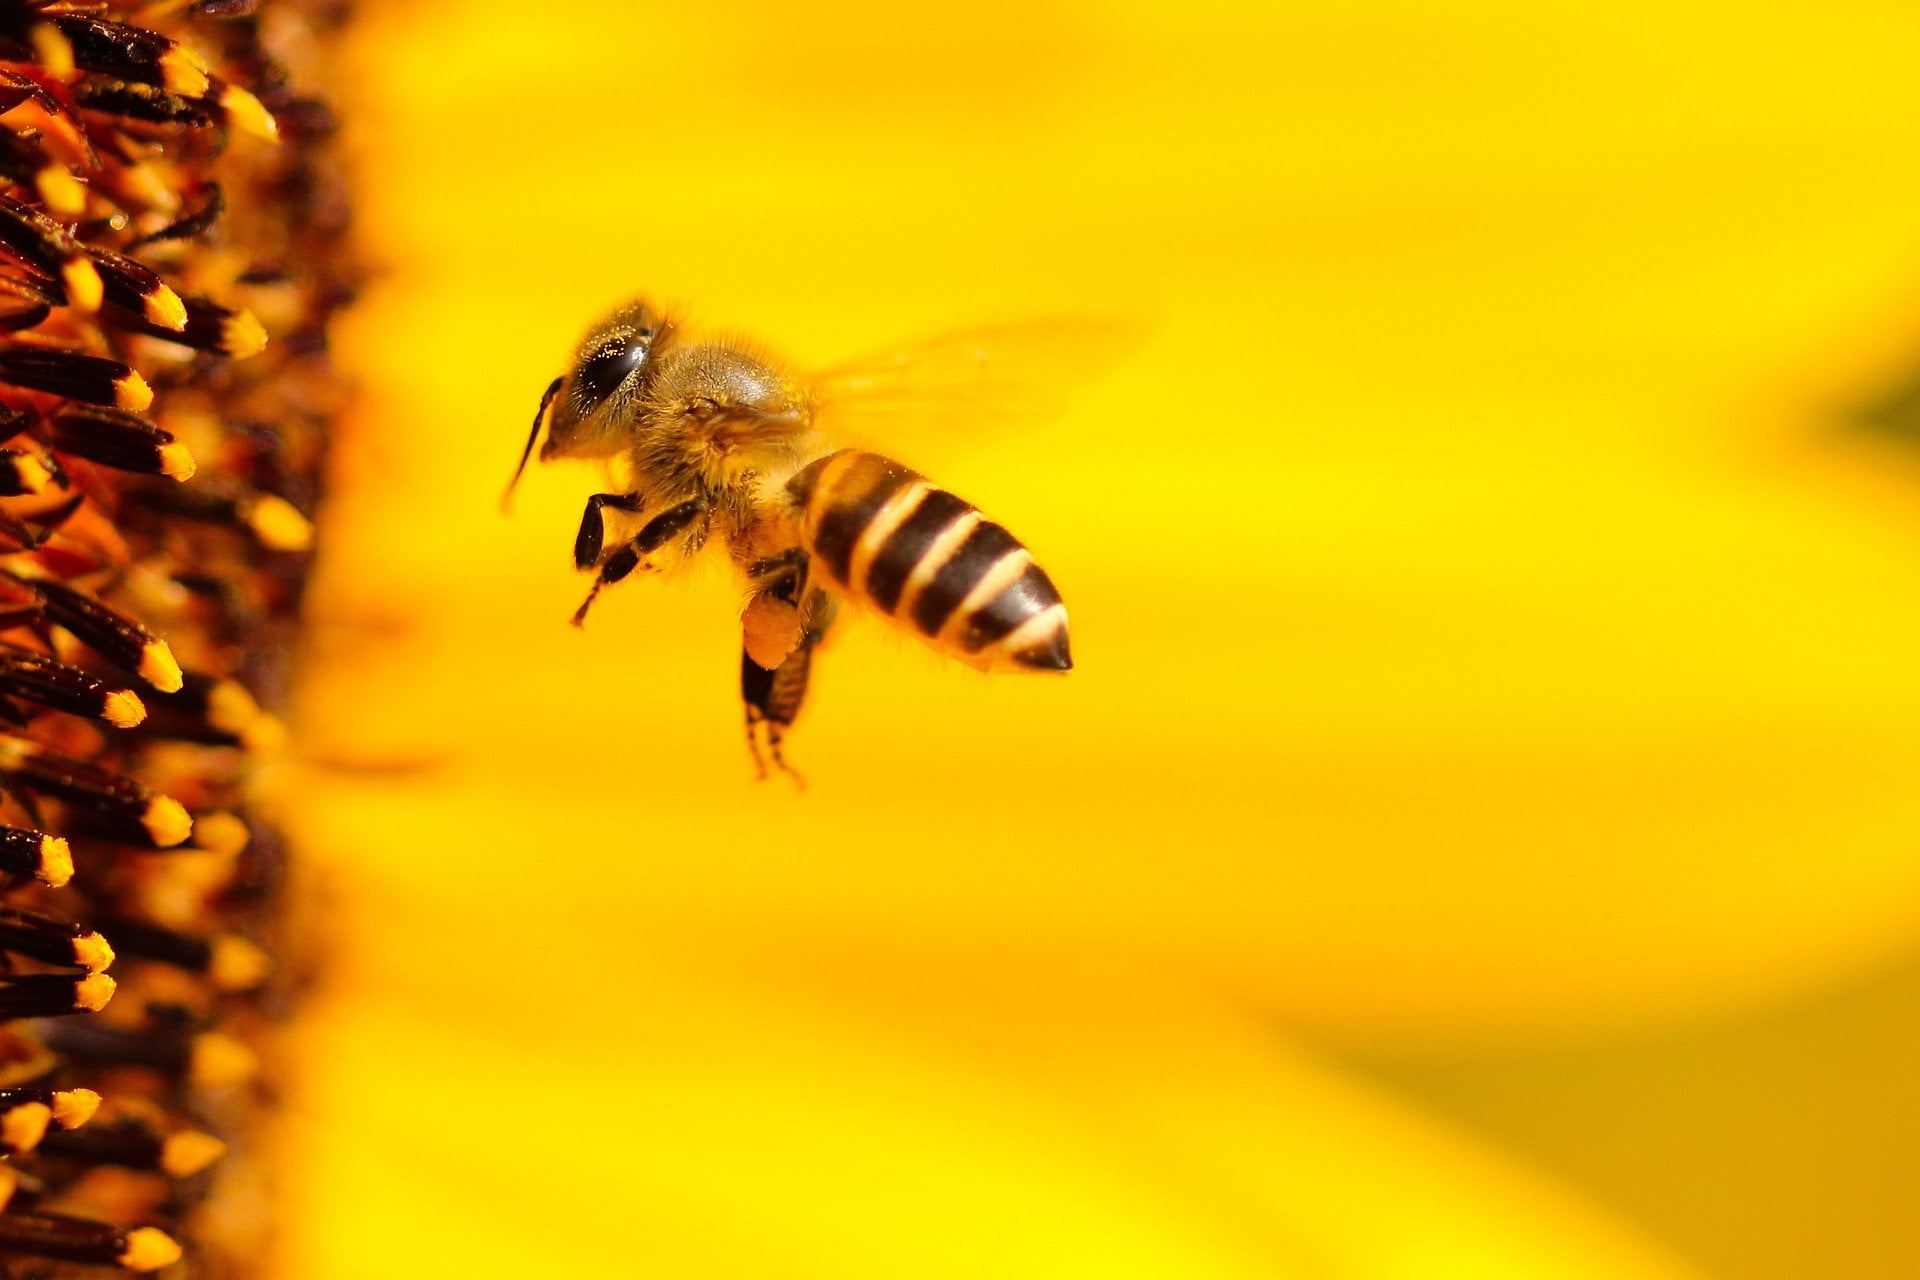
703, 1115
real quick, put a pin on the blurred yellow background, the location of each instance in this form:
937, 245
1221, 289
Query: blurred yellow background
1479, 837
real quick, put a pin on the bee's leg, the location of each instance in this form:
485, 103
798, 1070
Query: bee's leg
593, 526
653, 535
756, 691
771, 625
774, 697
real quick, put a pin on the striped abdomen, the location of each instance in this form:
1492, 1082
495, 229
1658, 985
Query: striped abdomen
884, 536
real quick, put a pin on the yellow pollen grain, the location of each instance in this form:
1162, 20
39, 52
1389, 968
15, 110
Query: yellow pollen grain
220, 1061
22, 1127
164, 308
184, 1154
56, 862
222, 834
123, 709
176, 460
85, 289
237, 965
93, 992
149, 1249
9, 1183
166, 821
182, 72
91, 951
230, 708
74, 1107
132, 392
278, 524
248, 114
265, 735
150, 186
52, 50
31, 474
242, 335
159, 668
63, 194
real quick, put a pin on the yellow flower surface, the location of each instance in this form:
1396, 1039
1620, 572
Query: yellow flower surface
1490, 627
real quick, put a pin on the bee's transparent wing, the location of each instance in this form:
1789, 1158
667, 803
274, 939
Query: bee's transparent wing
910, 401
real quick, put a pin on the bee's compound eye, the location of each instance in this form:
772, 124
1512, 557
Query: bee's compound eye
601, 374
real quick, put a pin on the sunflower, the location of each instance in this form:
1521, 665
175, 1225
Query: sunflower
1492, 631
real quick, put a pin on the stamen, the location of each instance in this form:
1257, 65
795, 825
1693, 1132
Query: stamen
109, 633
132, 1145
121, 440
48, 859
137, 287
52, 940
124, 803
230, 962
99, 1244
276, 523
77, 376
54, 995
208, 1060
214, 711
133, 53
52, 683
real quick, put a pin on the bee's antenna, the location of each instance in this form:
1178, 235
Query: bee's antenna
539, 416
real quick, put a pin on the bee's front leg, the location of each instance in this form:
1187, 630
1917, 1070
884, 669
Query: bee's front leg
593, 525
653, 535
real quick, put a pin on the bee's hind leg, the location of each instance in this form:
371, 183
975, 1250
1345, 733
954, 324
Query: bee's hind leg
773, 697
756, 691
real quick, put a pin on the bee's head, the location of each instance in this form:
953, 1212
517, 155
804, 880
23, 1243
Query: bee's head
609, 370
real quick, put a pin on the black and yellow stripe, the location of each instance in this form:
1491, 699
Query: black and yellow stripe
883, 535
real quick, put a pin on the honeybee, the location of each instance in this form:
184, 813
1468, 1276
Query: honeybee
711, 439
